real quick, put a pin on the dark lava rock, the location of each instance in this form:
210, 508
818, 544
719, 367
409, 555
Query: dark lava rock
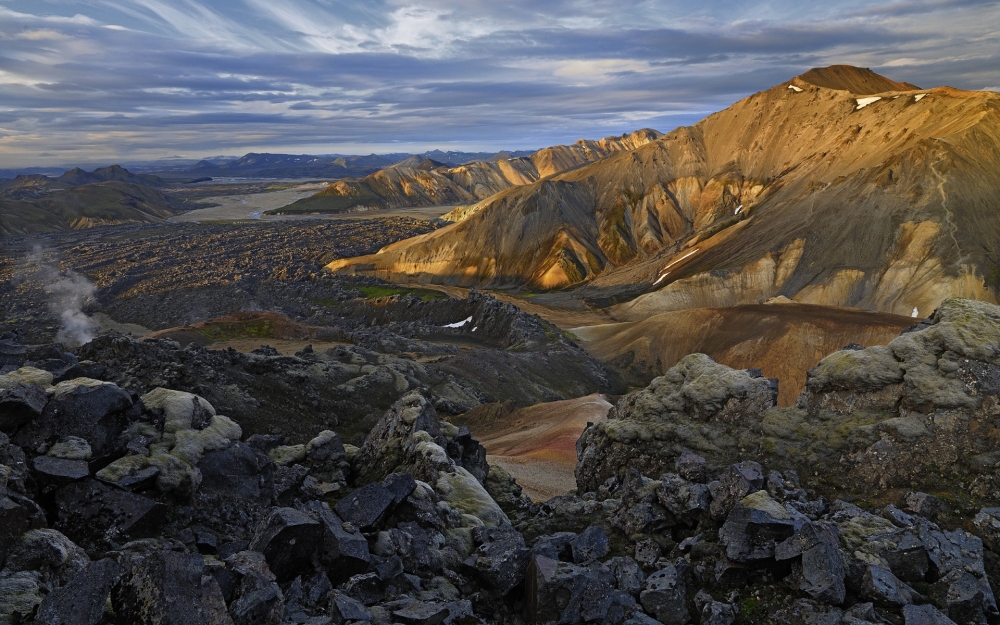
400, 485
628, 576
570, 593
237, 470
82, 600
344, 608
14, 521
366, 588
691, 467
343, 553
738, 481
258, 599
687, 501
206, 543
879, 585
90, 512
820, 572
501, 558
366, 507
422, 613
909, 560
93, 413
592, 544
664, 596
555, 546
161, 589
987, 524
753, 528
19, 405
287, 538
59, 471
924, 615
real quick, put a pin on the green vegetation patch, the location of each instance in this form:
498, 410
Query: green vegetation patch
427, 295
233, 330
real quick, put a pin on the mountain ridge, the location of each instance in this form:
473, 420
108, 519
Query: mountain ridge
722, 203
402, 186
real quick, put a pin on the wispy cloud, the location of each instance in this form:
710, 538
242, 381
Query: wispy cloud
107, 80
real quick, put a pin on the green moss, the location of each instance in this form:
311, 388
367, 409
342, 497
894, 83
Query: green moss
427, 295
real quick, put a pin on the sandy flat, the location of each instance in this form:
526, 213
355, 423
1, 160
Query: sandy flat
537, 444
245, 206
248, 205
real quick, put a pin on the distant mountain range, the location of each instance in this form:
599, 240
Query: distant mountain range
838, 187
266, 165
423, 181
80, 199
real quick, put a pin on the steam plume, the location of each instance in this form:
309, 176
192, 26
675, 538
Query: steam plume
67, 293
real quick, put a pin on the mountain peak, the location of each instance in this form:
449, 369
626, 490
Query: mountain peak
858, 80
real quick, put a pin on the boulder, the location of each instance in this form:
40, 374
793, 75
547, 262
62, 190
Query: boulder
257, 598
664, 596
501, 558
82, 600
344, 553
422, 613
92, 514
85, 408
687, 501
820, 568
924, 615
592, 544
19, 405
570, 593
48, 552
882, 587
287, 538
629, 577
736, 482
164, 588
14, 521
691, 467
554, 546
366, 507
54, 472
987, 523
754, 527
237, 470
343, 609
400, 485
650, 429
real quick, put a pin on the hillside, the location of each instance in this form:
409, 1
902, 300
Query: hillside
783, 340
418, 182
812, 191
89, 205
115, 173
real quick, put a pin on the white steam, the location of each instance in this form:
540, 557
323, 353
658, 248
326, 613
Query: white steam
67, 293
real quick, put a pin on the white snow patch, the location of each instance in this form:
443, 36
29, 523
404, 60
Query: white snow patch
915, 313
458, 324
863, 102
738, 209
475, 328
919, 97
795, 89
660, 279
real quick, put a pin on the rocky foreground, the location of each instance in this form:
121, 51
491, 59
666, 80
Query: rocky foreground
698, 502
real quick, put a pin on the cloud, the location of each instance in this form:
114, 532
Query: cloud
109, 80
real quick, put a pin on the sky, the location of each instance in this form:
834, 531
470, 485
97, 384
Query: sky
97, 81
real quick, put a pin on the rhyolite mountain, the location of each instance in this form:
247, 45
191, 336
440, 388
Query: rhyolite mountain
839, 187
420, 181
81, 199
